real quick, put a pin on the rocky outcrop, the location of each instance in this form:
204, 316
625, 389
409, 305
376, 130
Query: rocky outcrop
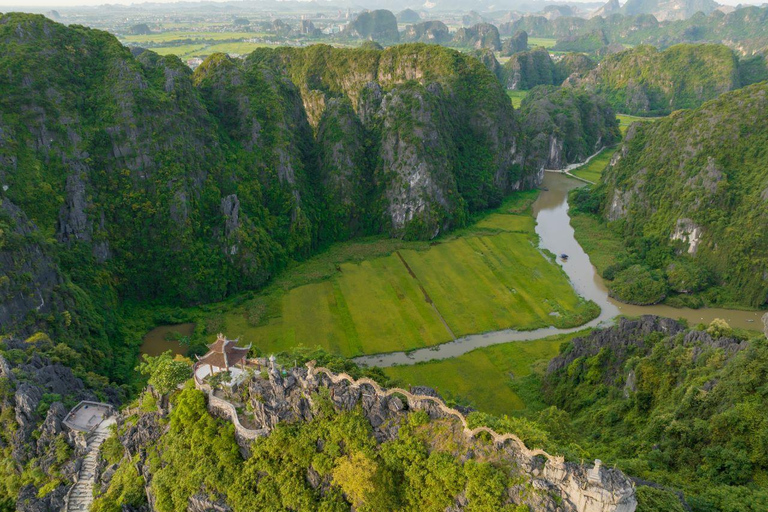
525, 70
435, 32
481, 35
378, 25
565, 126
517, 43
287, 396
37, 439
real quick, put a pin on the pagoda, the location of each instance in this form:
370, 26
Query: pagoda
224, 354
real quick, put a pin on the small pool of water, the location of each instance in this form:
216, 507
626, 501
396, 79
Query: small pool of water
157, 340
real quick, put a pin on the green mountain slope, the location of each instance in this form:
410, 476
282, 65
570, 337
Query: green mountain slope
645, 81
693, 190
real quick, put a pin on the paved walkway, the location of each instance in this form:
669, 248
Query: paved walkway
80, 496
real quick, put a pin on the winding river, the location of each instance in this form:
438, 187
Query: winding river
556, 234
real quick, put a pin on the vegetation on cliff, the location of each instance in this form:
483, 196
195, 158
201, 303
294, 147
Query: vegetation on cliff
647, 81
687, 195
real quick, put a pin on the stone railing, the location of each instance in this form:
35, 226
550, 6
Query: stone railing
413, 401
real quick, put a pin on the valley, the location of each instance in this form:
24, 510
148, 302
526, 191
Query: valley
298, 256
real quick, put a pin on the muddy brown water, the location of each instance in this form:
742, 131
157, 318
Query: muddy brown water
155, 342
556, 235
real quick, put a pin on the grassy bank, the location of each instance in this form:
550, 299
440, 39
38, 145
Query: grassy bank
383, 295
517, 97
594, 169
490, 379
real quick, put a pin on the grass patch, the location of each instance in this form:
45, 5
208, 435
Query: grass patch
599, 242
594, 169
516, 97
360, 298
486, 378
546, 42
626, 120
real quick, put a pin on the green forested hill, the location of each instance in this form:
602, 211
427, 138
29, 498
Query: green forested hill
689, 194
126, 176
646, 81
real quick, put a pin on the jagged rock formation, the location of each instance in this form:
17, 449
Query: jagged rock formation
709, 202
286, 396
422, 197
481, 35
378, 25
32, 434
573, 64
435, 32
567, 126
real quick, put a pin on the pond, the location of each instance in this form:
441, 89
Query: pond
164, 338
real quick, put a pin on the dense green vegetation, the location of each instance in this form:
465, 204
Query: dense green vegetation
128, 179
567, 125
414, 471
646, 81
592, 170
690, 220
683, 411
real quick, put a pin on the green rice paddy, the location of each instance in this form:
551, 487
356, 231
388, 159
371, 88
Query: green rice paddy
517, 97
387, 295
546, 42
487, 378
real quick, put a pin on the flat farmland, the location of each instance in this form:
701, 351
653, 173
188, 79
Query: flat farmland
498, 368
408, 295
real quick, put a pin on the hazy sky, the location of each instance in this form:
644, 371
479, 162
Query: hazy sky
19, 5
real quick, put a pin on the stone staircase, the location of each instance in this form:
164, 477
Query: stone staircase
80, 496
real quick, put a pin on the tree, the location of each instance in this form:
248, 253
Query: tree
165, 372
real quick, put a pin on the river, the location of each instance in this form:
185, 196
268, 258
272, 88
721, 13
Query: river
556, 234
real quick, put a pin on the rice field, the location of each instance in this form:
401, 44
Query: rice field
546, 42
407, 295
594, 169
626, 120
517, 97
485, 378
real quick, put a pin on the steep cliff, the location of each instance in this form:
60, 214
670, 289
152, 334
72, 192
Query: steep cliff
525, 70
378, 25
676, 406
435, 32
565, 126
696, 183
124, 175
418, 104
482, 35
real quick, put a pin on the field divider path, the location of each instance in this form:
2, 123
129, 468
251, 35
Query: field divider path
426, 295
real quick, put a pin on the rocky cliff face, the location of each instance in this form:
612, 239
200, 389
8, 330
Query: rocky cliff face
435, 32
481, 35
525, 70
32, 437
